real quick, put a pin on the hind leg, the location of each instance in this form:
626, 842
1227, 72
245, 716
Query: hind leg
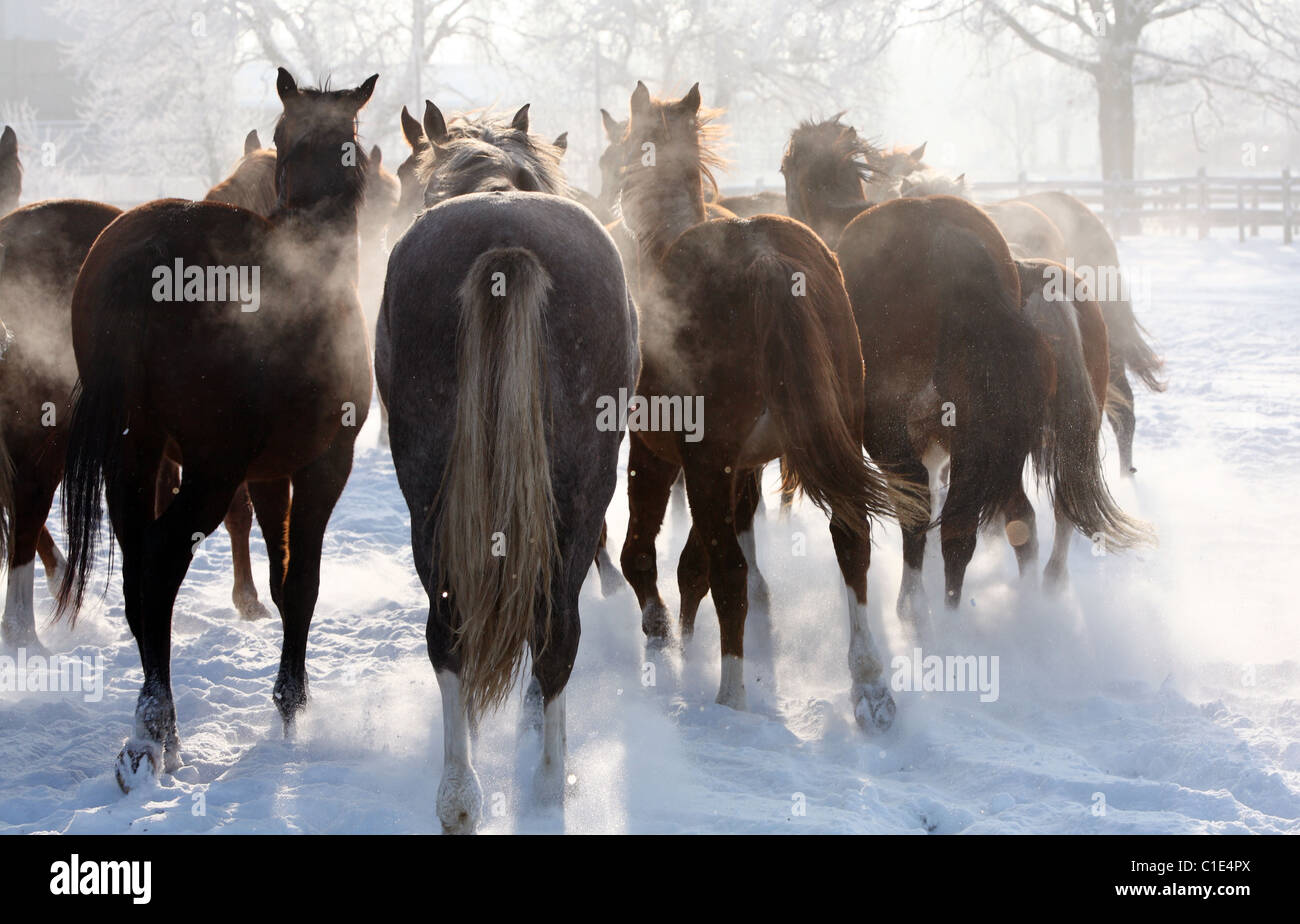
1122, 419
272, 504
460, 797
31, 506
163, 552
52, 559
239, 522
711, 494
610, 578
873, 704
1056, 574
913, 608
1022, 533
692, 582
957, 535
649, 481
552, 667
316, 489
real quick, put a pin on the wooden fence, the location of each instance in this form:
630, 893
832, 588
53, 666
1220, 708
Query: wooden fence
1177, 204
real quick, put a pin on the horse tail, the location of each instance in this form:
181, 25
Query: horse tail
990, 353
495, 534
818, 413
6, 502
99, 418
1069, 456
1128, 342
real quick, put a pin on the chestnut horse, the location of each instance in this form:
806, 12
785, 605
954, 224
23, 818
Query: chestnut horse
751, 316
11, 171
271, 393
499, 451
41, 249
954, 367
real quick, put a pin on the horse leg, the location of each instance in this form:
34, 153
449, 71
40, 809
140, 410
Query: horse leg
1056, 574
239, 522
164, 552
913, 608
31, 506
552, 666
711, 495
649, 481
1022, 533
692, 582
749, 492
316, 489
957, 536
1122, 418
873, 704
52, 559
271, 503
460, 797
610, 578
166, 486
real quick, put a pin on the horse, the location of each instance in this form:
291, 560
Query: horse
1090, 245
268, 387
954, 366
749, 317
499, 452
11, 171
1072, 323
42, 246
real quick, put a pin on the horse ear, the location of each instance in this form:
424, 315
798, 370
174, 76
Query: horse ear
435, 126
613, 131
252, 142
412, 130
376, 157
641, 98
918, 153
285, 85
561, 142
8, 143
520, 121
361, 95
691, 101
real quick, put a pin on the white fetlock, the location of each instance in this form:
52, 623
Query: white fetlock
460, 800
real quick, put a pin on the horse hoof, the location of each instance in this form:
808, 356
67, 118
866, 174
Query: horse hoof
250, 608
611, 579
874, 708
137, 763
655, 624
460, 801
25, 639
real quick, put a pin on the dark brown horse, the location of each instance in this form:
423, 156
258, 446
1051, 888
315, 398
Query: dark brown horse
750, 319
11, 171
267, 386
954, 367
1091, 246
500, 453
42, 246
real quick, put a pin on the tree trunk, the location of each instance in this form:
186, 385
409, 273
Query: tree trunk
1117, 132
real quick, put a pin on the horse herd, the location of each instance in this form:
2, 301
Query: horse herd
858, 312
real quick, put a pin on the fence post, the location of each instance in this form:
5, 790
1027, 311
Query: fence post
1286, 205
1203, 205
1254, 210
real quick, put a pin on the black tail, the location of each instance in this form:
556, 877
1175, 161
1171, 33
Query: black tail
990, 352
99, 418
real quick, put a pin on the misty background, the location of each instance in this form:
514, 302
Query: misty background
126, 100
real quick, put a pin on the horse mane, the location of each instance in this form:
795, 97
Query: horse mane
542, 157
930, 182
813, 140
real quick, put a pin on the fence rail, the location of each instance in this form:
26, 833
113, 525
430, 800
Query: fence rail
1202, 201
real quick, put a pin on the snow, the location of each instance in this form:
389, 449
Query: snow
1161, 694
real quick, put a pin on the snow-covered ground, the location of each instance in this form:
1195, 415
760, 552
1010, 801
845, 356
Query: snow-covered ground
1160, 694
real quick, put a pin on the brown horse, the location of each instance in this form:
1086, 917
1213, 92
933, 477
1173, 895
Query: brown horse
1076, 333
41, 247
11, 171
1091, 246
269, 386
954, 367
748, 318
